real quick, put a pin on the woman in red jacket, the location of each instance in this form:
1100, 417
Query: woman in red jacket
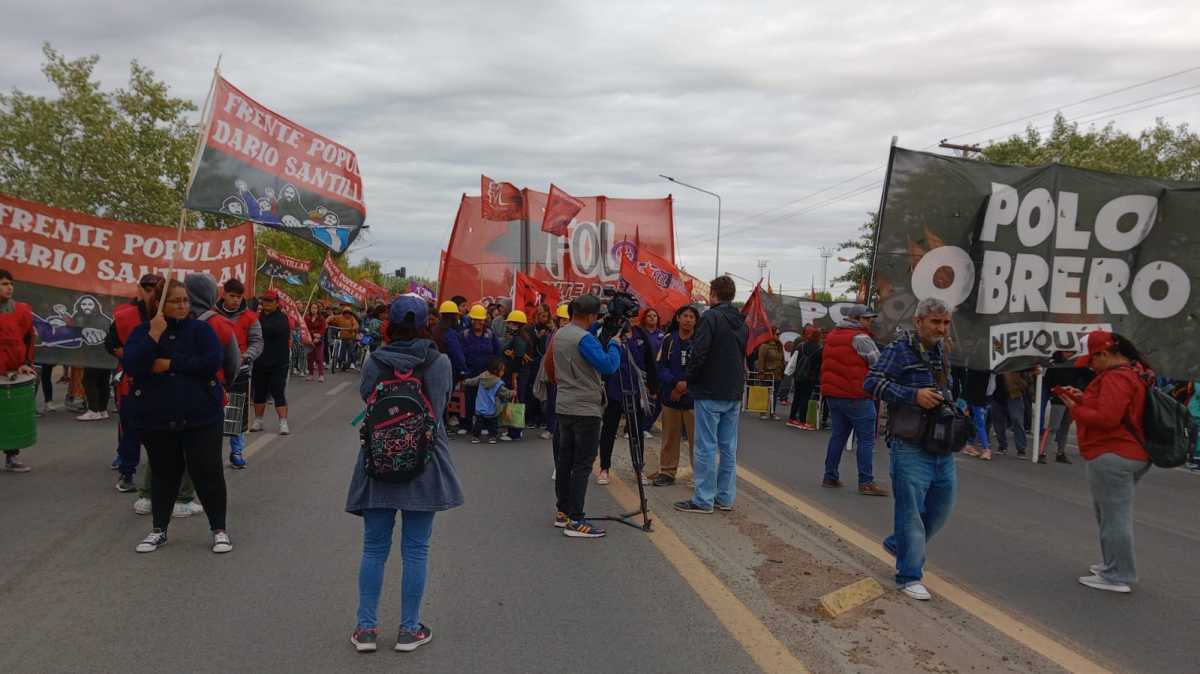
1109, 418
316, 356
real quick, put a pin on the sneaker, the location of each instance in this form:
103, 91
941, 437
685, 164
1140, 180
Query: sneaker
321, 379
662, 480
1062, 458
187, 509
1042, 459
985, 455
561, 520
283, 427
1020, 454
917, 591
726, 508
1098, 583
603, 477
307, 377
88, 416
462, 431
221, 542
832, 484
971, 450
647, 435
690, 507
256, 426
407, 642
1096, 569
763, 416
125, 485
13, 465
545, 435
872, 489
582, 529
51, 407
142, 506
491, 441
793, 423
152, 542
364, 639
505, 438
353, 368
101, 416
236, 460
116, 463
807, 427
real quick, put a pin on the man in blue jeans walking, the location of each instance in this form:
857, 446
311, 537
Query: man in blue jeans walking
849, 352
910, 375
715, 376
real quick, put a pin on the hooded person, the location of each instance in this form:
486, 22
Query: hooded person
202, 302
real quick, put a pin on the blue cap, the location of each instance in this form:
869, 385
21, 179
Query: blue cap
409, 304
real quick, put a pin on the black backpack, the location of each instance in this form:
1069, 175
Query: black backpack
398, 428
1169, 430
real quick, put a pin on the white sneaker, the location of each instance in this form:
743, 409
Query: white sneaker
546, 435
462, 431
554, 475
154, 541
51, 407
505, 438
142, 506
283, 427
100, 416
187, 509
256, 426
647, 434
321, 379
221, 542
88, 416
603, 478
353, 368
917, 591
1098, 583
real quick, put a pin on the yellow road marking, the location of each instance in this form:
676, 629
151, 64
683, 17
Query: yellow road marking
997, 618
767, 652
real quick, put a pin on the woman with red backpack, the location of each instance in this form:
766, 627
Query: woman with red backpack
434, 488
1109, 417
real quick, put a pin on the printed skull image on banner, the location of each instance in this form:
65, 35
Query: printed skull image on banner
260, 166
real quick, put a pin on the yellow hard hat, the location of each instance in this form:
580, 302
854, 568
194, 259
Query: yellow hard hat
517, 316
562, 312
477, 313
448, 307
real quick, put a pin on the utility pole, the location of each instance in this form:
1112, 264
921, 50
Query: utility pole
762, 267
964, 150
826, 253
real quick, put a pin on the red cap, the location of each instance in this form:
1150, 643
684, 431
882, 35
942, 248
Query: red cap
269, 294
1097, 342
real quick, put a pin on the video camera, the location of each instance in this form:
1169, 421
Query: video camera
622, 308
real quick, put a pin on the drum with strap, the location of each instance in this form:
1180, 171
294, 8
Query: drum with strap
18, 408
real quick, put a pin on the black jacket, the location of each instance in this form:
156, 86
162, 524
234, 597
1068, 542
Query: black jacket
277, 340
185, 396
717, 367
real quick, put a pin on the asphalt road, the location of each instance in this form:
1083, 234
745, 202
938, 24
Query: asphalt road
506, 592
1021, 534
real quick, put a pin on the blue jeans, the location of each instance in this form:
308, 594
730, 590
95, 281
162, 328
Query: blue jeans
414, 550
129, 444
716, 431
923, 486
848, 414
979, 418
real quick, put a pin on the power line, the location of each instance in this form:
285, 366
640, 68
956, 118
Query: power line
1102, 114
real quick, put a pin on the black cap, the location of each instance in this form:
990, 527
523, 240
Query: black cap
584, 305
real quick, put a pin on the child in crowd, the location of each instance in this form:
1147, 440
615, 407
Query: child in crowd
492, 392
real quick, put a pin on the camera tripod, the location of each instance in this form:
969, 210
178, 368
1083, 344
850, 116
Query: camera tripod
637, 455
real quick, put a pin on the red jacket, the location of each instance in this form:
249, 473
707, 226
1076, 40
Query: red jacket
241, 328
316, 326
843, 370
1113, 401
126, 317
225, 332
16, 338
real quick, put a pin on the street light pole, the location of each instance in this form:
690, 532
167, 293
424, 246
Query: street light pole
717, 261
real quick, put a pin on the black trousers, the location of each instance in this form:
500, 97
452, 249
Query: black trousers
269, 381
95, 387
578, 438
801, 394
613, 413
199, 451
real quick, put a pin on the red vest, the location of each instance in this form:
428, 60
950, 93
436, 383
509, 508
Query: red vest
241, 328
843, 371
16, 338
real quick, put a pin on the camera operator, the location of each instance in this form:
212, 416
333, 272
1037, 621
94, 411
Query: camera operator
924, 429
579, 363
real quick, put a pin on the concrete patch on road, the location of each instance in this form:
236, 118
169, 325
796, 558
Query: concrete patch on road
851, 597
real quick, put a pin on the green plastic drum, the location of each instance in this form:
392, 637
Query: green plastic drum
18, 407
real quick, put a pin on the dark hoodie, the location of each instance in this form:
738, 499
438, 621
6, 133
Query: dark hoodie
717, 367
202, 296
437, 487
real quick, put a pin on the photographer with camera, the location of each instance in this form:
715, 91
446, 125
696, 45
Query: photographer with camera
924, 430
579, 363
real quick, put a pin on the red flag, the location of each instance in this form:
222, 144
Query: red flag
668, 278
529, 292
499, 201
647, 291
561, 209
757, 323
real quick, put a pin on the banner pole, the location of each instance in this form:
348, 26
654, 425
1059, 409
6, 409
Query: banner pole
1037, 416
310, 297
870, 298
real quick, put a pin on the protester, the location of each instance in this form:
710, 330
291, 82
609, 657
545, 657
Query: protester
480, 346
491, 393
96, 393
1109, 415
521, 363
16, 349
46, 375
463, 308
176, 405
562, 316
715, 377
1008, 409
248, 330
579, 363
638, 370
976, 391
347, 336
126, 317
649, 329
316, 357
1061, 373
912, 377
770, 365
677, 408
499, 323
269, 375
848, 354
806, 359
448, 337
435, 489
372, 327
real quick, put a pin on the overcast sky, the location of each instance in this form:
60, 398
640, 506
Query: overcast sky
763, 102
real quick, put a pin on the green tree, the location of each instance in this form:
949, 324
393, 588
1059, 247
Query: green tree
123, 154
1162, 151
862, 250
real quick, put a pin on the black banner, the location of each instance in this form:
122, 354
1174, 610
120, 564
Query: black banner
790, 314
1033, 258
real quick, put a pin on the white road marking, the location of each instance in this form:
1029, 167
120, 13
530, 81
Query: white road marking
337, 389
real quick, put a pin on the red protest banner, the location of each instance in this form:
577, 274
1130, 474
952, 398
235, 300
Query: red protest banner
499, 201
259, 165
290, 269
292, 309
373, 289
529, 293
561, 209
757, 322
74, 268
339, 286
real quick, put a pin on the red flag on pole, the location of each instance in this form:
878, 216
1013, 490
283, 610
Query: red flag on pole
529, 293
499, 201
647, 291
668, 278
561, 209
757, 323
